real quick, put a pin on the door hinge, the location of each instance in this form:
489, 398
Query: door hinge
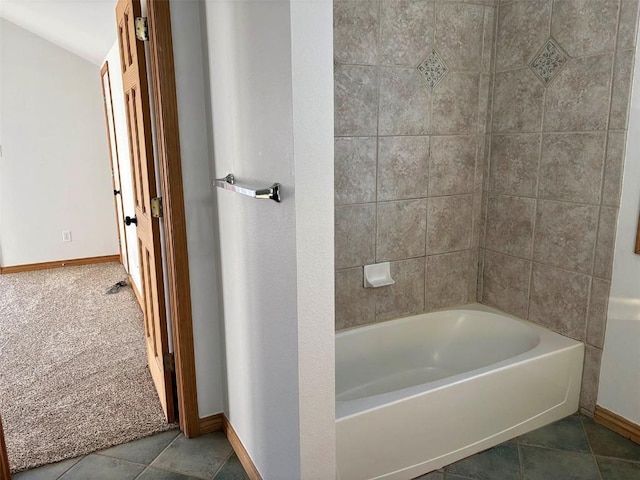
142, 29
168, 362
156, 207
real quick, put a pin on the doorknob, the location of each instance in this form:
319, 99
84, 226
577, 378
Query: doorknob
128, 221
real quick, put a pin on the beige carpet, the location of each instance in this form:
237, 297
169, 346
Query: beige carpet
73, 375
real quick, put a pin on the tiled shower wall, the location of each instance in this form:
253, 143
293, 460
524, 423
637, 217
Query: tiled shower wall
412, 85
560, 106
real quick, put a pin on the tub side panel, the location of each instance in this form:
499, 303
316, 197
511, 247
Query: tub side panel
426, 432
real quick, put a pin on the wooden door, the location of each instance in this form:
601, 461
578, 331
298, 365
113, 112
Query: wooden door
136, 96
115, 164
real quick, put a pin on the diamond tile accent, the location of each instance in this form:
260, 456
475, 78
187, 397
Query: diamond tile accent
433, 69
548, 62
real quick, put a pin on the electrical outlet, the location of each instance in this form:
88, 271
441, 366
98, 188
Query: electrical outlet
66, 235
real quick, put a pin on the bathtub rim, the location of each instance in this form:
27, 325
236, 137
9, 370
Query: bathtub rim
549, 343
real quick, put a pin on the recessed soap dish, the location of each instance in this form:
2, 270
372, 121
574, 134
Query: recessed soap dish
378, 275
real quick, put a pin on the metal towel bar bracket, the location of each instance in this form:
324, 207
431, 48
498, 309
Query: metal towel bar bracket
229, 183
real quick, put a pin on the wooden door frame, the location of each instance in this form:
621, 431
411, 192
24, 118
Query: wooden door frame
162, 86
5, 472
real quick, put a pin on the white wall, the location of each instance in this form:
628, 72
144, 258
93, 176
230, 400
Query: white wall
55, 164
276, 259
312, 71
199, 204
619, 389
126, 176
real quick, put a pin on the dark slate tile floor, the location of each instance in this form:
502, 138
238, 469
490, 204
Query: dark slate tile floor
165, 456
574, 448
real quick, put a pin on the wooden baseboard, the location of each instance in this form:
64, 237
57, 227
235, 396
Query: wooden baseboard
136, 292
212, 423
241, 452
617, 423
59, 263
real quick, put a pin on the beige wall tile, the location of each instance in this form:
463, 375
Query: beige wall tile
446, 280
590, 378
621, 92
565, 235
578, 97
517, 102
406, 296
571, 166
455, 104
452, 165
401, 229
585, 27
606, 242
355, 170
613, 168
449, 224
514, 164
510, 225
355, 305
356, 100
355, 31
355, 235
523, 29
405, 102
506, 283
597, 319
559, 300
458, 35
406, 32
628, 24
403, 167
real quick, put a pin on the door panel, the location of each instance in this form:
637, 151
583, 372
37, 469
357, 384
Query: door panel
136, 94
115, 164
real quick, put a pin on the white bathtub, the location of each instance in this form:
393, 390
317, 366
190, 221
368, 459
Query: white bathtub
419, 393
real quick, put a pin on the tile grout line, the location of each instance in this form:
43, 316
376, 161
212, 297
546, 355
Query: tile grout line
521, 463
537, 192
484, 208
500, 133
231, 453
586, 434
67, 470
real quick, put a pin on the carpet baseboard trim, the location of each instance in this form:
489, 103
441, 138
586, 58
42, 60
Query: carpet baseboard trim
210, 424
241, 452
29, 267
618, 424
